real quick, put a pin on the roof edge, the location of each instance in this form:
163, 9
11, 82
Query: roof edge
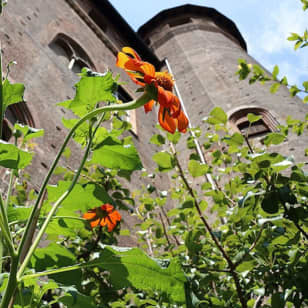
223, 22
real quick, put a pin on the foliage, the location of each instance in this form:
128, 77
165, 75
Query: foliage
231, 232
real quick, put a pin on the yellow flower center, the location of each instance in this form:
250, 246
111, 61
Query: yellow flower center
164, 80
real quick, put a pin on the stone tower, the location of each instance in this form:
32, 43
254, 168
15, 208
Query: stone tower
203, 47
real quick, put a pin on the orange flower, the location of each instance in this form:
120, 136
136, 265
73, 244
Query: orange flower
170, 115
103, 215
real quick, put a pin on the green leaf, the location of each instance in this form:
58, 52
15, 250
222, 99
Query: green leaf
164, 160
132, 267
217, 116
18, 213
274, 138
270, 202
28, 132
74, 299
253, 118
12, 93
294, 37
157, 139
274, 87
113, 155
236, 139
197, 169
13, 158
174, 138
297, 45
80, 199
305, 85
55, 256
275, 72
91, 90
277, 300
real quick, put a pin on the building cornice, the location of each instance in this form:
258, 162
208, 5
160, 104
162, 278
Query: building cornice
226, 25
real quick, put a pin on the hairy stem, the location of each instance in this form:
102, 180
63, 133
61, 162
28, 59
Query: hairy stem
128, 106
239, 290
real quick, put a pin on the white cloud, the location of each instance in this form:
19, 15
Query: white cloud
287, 17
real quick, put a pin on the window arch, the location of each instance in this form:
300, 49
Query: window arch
266, 124
16, 113
71, 52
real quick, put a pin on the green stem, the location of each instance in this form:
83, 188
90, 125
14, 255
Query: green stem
5, 230
53, 210
63, 197
65, 269
12, 284
15, 222
115, 107
2, 110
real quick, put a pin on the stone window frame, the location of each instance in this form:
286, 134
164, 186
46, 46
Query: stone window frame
16, 113
258, 130
74, 52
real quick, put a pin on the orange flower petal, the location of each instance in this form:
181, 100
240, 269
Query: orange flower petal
89, 215
94, 223
164, 97
149, 106
131, 52
122, 58
166, 122
182, 122
115, 216
107, 207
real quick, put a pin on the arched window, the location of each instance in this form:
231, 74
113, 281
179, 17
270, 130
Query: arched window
16, 113
266, 124
71, 53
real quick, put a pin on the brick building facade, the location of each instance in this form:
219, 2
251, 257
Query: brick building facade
52, 40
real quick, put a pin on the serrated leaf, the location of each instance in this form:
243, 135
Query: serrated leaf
91, 90
13, 158
113, 155
217, 116
56, 256
12, 93
197, 169
132, 267
18, 213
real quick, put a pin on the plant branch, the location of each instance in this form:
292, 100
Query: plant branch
127, 106
209, 229
253, 245
165, 232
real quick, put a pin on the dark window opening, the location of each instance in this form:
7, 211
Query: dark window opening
180, 21
15, 113
266, 124
6, 131
253, 130
71, 53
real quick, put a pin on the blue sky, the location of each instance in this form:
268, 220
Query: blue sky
265, 25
